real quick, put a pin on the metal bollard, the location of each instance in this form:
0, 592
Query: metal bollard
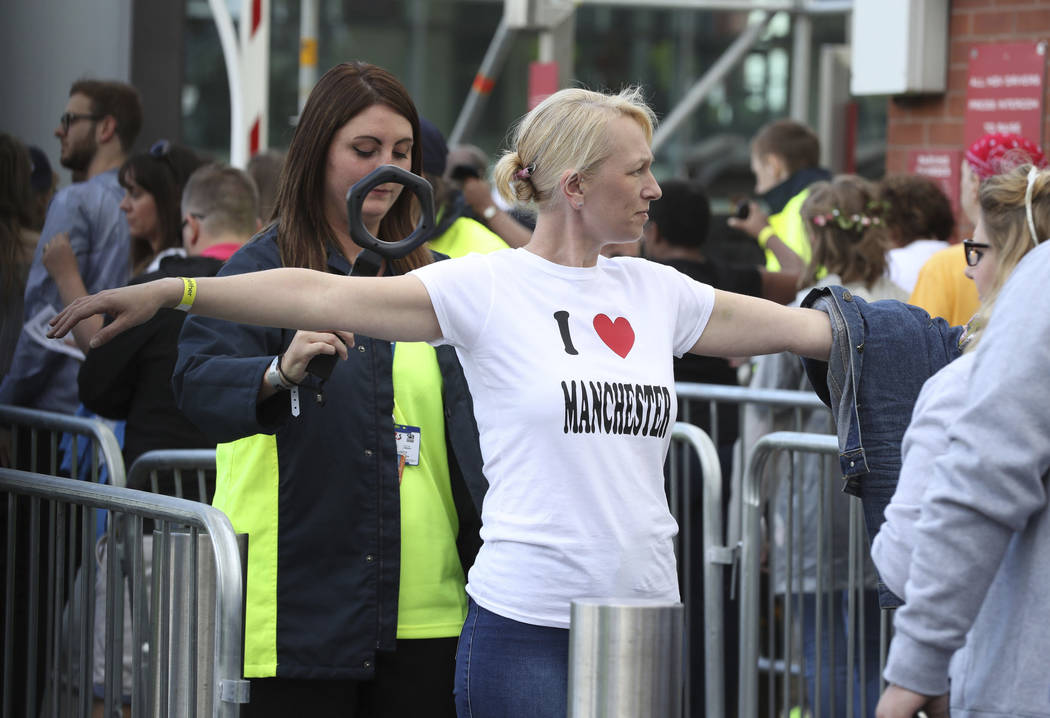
625, 658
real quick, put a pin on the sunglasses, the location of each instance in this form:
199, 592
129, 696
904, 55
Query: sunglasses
68, 118
161, 150
974, 251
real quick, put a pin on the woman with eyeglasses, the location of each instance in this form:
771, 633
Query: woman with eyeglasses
941, 287
152, 183
1014, 218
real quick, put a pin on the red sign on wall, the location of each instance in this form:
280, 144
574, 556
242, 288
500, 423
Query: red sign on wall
1005, 89
543, 81
942, 166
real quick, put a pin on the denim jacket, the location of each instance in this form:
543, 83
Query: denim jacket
881, 355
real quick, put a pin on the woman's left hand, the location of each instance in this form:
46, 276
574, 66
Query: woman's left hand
129, 306
58, 256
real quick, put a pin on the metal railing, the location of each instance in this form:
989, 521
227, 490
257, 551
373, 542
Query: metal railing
799, 403
147, 469
713, 561
45, 426
795, 680
58, 515
715, 394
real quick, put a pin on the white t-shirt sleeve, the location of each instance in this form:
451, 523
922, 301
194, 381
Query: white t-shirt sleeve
692, 303
461, 291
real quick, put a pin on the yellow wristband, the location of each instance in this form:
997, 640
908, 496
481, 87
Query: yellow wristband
764, 235
189, 293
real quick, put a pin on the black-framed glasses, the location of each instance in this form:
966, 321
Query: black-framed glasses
974, 251
68, 118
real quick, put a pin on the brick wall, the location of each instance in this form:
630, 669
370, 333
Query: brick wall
938, 122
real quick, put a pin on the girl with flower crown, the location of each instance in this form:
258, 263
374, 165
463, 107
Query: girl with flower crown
844, 220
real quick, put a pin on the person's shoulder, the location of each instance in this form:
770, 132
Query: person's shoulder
260, 252
461, 264
87, 193
647, 270
1035, 263
1024, 288
952, 254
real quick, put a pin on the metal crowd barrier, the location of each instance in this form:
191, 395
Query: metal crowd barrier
38, 443
815, 598
195, 462
712, 562
160, 677
714, 395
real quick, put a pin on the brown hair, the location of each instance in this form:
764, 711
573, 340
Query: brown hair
118, 100
792, 141
303, 234
162, 171
915, 208
16, 202
845, 228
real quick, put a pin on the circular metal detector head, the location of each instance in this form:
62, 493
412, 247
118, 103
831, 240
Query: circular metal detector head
355, 198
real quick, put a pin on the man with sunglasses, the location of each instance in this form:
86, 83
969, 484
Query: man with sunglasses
96, 131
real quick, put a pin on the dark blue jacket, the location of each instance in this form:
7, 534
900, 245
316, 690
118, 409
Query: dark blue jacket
881, 355
338, 508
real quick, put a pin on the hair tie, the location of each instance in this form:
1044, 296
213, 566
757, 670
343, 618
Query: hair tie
1033, 174
525, 172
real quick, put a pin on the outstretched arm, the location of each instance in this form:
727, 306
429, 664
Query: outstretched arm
745, 326
393, 308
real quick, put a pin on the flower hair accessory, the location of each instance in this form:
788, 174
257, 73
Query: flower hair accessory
855, 222
525, 172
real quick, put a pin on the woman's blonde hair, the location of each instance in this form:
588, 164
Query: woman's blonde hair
845, 225
567, 131
1003, 209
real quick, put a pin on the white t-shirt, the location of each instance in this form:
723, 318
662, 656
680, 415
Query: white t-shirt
570, 370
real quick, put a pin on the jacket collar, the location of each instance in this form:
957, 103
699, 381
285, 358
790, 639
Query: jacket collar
780, 195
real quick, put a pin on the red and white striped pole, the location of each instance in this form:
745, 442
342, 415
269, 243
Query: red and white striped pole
255, 73
248, 75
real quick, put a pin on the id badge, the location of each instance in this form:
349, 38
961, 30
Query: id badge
407, 439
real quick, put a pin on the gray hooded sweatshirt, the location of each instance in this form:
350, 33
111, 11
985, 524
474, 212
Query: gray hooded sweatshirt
980, 568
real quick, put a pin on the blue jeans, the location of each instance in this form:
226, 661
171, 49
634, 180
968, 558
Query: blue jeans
506, 669
834, 610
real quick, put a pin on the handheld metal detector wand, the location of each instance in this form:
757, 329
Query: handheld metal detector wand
374, 250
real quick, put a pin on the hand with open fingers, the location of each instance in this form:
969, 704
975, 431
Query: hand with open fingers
129, 306
755, 222
898, 702
58, 256
306, 345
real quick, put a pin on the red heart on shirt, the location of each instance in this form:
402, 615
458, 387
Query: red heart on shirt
618, 335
